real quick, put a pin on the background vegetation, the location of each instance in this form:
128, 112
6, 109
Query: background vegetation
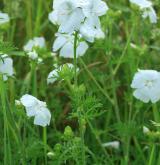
110, 112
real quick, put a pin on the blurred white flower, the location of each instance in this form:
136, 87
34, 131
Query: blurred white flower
67, 15
91, 29
142, 3
36, 108
4, 18
65, 43
113, 144
93, 8
150, 12
6, 66
145, 130
147, 9
54, 75
75, 15
35, 42
33, 55
147, 85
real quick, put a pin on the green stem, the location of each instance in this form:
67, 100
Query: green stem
124, 51
97, 138
3, 100
81, 124
96, 83
38, 18
34, 78
75, 58
156, 115
45, 144
82, 132
151, 158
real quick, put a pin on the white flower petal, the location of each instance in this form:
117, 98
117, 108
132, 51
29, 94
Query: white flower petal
147, 85
59, 42
4, 18
29, 101
52, 77
82, 48
53, 17
6, 66
43, 117
72, 22
67, 50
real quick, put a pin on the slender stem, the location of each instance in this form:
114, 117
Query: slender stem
38, 18
152, 155
34, 78
156, 115
96, 83
3, 101
97, 138
81, 124
82, 132
75, 58
124, 51
45, 144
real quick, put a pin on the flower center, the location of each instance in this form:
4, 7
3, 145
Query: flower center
149, 83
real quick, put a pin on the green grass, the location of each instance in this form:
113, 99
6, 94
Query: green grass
101, 108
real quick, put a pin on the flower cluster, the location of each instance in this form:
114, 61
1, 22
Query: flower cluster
63, 72
37, 109
147, 85
147, 9
32, 45
6, 66
80, 16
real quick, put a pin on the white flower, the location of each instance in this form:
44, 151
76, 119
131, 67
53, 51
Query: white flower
142, 3
35, 42
4, 18
150, 12
65, 43
66, 14
113, 144
147, 9
93, 8
147, 85
54, 75
91, 29
6, 66
145, 130
33, 55
36, 108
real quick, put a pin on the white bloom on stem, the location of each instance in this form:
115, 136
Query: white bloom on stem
147, 85
93, 8
6, 66
142, 3
4, 18
67, 15
54, 75
145, 130
151, 14
36, 108
147, 9
113, 144
65, 43
35, 42
91, 29
33, 55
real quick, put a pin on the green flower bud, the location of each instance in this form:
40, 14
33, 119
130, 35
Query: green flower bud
68, 133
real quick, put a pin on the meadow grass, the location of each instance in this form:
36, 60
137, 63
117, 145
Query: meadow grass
96, 107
